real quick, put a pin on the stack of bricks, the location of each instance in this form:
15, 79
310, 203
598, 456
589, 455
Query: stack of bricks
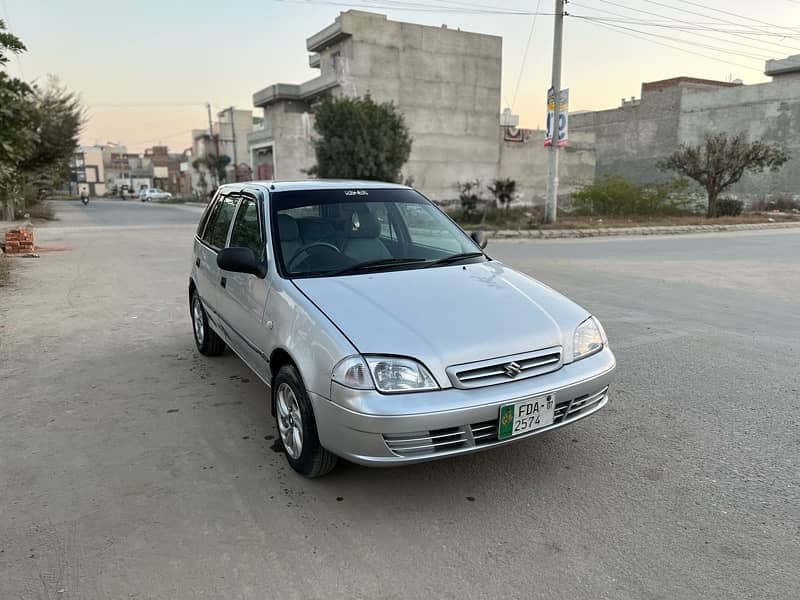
20, 241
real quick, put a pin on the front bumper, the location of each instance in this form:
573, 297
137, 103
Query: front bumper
375, 429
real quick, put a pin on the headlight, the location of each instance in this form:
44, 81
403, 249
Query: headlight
388, 374
589, 338
394, 374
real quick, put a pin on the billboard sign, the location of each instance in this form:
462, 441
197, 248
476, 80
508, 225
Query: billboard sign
563, 118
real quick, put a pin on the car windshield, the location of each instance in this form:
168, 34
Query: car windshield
323, 233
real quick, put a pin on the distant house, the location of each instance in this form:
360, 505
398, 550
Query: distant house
88, 171
630, 139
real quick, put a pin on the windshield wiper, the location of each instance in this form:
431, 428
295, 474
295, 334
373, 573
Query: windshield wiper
454, 258
375, 264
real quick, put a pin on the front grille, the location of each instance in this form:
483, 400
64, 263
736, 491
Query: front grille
505, 369
426, 443
584, 404
484, 433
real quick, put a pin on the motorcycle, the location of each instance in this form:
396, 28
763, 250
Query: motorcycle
85, 199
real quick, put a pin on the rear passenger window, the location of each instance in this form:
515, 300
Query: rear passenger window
219, 222
246, 231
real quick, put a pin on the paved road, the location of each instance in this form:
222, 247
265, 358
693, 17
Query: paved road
132, 213
130, 467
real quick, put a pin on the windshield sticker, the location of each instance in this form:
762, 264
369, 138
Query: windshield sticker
356, 193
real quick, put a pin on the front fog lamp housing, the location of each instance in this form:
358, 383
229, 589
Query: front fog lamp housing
393, 374
589, 338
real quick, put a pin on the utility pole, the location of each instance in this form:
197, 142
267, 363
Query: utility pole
551, 202
211, 137
233, 140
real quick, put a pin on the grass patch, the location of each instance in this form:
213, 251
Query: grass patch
531, 218
499, 218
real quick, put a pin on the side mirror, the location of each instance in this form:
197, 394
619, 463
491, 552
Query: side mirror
241, 260
479, 238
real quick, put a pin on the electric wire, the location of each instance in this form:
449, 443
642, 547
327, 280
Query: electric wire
644, 36
525, 55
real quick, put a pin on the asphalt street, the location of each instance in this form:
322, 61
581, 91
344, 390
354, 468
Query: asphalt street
132, 467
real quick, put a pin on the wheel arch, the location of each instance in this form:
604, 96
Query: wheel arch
279, 358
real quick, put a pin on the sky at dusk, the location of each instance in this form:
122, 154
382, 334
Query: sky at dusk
145, 69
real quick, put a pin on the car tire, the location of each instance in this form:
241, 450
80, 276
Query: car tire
206, 339
292, 405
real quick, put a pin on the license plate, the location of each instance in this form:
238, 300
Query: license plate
524, 416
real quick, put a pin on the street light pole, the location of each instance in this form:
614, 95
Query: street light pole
551, 201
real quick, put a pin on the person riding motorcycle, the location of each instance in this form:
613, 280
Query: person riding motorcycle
85, 196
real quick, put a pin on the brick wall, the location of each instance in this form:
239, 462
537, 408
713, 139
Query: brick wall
19, 241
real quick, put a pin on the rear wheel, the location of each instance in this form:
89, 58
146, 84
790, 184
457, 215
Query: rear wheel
205, 338
297, 426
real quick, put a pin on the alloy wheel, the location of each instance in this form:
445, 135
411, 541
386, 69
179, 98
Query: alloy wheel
197, 320
290, 422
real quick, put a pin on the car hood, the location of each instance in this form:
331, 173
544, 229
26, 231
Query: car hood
447, 315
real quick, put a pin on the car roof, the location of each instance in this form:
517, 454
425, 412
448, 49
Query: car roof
312, 184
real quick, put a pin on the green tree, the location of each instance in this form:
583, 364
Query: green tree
215, 165
18, 123
359, 139
720, 161
60, 119
39, 130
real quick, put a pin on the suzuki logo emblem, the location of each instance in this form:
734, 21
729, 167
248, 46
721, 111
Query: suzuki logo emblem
512, 369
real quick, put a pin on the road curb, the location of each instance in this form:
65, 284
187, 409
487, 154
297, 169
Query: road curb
510, 234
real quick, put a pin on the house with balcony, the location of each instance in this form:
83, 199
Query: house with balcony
446, 82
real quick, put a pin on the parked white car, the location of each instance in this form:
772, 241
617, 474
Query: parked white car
148, 194
385, 333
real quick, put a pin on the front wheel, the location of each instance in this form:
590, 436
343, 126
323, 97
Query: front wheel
205, 338
297, 426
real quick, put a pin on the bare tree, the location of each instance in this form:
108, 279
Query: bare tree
720, 161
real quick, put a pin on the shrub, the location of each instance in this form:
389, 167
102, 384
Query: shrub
615, 196
781, 202
503, 191
728, 207
501, 218
469, 196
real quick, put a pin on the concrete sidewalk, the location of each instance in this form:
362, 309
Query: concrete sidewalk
632, 231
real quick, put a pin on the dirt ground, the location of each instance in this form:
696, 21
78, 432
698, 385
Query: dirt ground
131, 467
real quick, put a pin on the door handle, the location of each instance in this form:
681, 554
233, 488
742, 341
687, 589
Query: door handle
223, 282
197, 262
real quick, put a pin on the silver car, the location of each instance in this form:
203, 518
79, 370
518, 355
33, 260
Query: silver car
385, 334
148, 194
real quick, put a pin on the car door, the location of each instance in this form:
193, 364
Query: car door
207, 245
244, 296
